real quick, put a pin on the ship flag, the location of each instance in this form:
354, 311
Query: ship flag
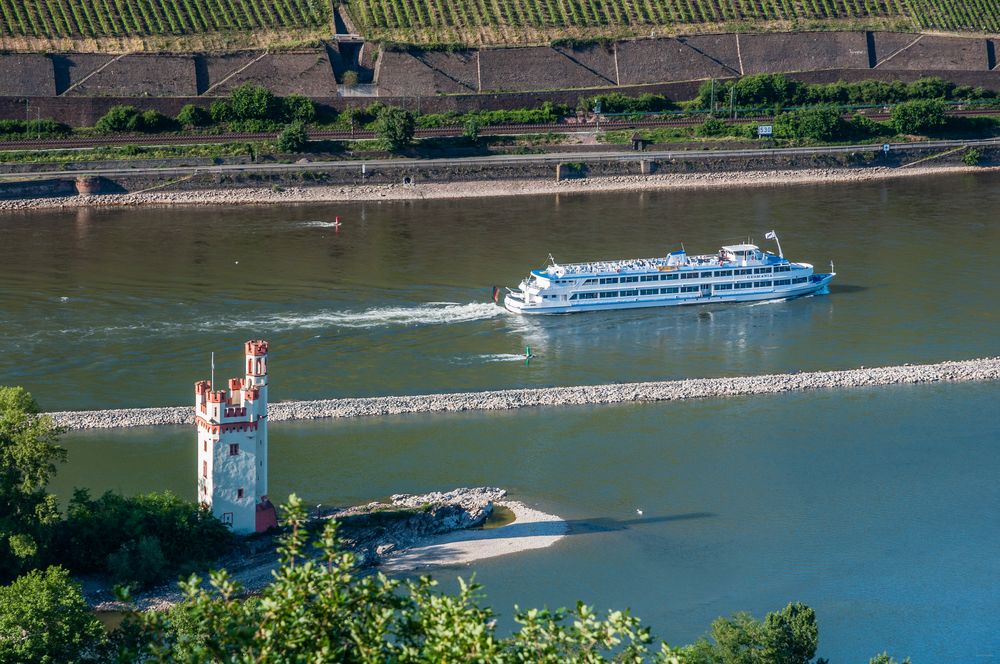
771, 235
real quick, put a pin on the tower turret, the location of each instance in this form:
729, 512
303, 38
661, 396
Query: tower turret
232, 446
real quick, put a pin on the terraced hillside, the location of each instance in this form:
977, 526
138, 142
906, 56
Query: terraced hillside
515, 21
55, 19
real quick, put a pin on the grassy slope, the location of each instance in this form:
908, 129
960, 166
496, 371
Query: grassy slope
521, 21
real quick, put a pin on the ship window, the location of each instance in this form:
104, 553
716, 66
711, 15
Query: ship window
782, 282
689, 275
746, 271
744, 284
629, 293
609, 293
762, 284
782, 268
650, 277
590, 282
609, 280
762, 270
689, 289
573, 296
672, 289
706, 275
723, 287
799, 280
649, 291
670, 277
629, 280
588, 296
724, 273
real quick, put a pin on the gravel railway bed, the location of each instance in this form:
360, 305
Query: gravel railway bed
984, 369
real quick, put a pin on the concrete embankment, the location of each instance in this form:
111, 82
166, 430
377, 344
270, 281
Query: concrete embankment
968, 370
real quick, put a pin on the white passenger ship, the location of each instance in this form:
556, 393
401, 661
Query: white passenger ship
737, 273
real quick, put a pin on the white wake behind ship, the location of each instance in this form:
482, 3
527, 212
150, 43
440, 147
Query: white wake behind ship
737, 273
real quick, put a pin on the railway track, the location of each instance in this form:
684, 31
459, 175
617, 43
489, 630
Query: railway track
422, 132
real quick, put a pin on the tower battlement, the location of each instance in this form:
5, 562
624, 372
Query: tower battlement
232, 446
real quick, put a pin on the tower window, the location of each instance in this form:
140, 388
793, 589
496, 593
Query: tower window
204, 469
239, 494
234, 449
204, 445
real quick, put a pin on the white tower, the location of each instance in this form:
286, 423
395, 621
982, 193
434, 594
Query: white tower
232, 446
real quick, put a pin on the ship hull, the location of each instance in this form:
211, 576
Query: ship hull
818, 285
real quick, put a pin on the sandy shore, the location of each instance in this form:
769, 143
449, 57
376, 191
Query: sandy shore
487, 188
530, 530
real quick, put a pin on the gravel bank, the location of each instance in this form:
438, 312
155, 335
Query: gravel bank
967, 370
480, 189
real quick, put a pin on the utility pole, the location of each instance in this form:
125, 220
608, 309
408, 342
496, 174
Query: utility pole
712, 105
732, 101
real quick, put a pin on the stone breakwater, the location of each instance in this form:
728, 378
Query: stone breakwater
431, 189
968, 370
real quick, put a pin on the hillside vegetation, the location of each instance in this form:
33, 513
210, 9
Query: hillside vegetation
476, 21
104, 19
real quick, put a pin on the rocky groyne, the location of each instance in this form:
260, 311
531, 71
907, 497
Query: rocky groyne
698, 388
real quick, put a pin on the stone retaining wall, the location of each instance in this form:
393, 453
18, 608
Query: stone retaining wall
675, 390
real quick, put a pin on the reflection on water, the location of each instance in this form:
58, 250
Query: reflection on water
873, 506
398, 301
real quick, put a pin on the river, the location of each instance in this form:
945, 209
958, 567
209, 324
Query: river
873, 506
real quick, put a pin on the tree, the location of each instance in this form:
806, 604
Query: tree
253, 102
788, 636
884, 658
297, 108
293, 138
44, 618
118, 119
320, 609
394, 128
194, 116
812, 124
28, 454
470, 130
349, 79
918, 116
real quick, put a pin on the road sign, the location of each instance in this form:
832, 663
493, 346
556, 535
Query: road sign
597, 108
886, 147
765, 130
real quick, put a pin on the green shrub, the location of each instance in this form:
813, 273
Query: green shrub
254, 102
712, 127
119, 119
918, 116
296, 108
43, 128
810, 124
194, 116
107, 533
616, 102
140, 563
221, 111
44, 618
293, 138
862, 127
154, 121
394, 128
972, 157
349, 79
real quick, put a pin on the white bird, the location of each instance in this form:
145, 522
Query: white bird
236, 262
638, 511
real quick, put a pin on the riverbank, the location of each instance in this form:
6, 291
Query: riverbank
417, 190
405, 533
984, 369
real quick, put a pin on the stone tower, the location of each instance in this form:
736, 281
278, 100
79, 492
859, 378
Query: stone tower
232, 446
